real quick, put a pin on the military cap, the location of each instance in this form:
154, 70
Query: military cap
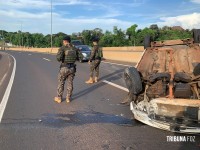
95, 39
67, 38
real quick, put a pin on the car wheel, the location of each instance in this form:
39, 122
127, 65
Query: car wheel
182, 77
196, 70
159, 76
196, 35
147, 42
133, 80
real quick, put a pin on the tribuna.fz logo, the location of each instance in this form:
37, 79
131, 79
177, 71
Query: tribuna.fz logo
180, 138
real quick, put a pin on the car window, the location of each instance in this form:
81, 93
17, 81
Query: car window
76, 42
84, 48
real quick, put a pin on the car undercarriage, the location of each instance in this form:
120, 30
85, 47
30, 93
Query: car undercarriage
165, 85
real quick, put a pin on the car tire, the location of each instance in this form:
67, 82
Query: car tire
147, 41
196, 35
159, 76
196, 70
133, 80
182, 77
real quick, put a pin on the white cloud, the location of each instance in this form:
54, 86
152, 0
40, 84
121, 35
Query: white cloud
15, 12
188, 21
134, 3
77, 25
109, 11
195, 1
71, 2
39, 4
40, 22
21, 15
17, 4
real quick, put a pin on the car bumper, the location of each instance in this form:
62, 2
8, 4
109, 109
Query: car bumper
168, 123
85, 58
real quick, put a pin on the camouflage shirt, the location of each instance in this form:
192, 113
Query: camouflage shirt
61, 54
94, 54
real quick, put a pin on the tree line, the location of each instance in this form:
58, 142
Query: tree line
118, 37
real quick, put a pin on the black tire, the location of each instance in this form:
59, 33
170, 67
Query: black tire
147, 41
196, 35
182, 77
196, 70
159, 76
133, 80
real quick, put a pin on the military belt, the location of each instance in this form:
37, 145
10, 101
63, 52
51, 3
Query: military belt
68, 65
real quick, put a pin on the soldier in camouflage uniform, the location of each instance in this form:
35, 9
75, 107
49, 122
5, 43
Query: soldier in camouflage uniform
94, 61
67, 55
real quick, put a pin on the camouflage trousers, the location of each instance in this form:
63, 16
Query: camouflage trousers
95, 68
68, 74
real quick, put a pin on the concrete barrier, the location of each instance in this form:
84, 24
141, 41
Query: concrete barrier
127, 48
40, 50
126, 54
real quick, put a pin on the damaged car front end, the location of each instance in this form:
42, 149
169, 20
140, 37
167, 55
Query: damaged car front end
164, 87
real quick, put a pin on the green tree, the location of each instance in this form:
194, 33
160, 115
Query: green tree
39, 40
119, 37
48, 40
142, 33
174, 35
154, 27
58, 39
97, 32
107, 39
87, 36
132, 34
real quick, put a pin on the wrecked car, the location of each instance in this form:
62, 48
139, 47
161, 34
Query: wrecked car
164, 87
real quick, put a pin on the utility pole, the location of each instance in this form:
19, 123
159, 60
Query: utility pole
3, 42
51, 28
28, 40
20, 43
21, 36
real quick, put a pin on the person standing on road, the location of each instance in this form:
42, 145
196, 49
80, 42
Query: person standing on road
95, 60
67, 55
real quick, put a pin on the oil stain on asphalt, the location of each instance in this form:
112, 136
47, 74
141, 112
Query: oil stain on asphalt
82, 118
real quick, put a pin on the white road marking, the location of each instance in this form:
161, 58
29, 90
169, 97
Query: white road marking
7, 92
29, 54
115, 85
46, 59
3, 79
116, 64
9, 62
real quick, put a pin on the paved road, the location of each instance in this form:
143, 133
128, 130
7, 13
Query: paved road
93, 120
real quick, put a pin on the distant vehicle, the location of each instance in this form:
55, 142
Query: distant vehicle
76, 42
165, 85
86, 51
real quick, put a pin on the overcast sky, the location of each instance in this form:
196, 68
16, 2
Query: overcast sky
76, 15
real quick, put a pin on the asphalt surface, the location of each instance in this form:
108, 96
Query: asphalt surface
94, 120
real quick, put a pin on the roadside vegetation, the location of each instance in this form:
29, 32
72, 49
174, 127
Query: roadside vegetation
118, 37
